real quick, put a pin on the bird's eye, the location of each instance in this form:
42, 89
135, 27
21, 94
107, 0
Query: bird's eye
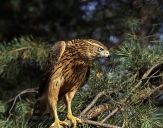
100, 49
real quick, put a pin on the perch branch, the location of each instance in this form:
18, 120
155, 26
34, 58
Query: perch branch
95, 123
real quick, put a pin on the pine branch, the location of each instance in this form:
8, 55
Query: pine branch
91, 122
144, 77
22, 49
149, 93
11, 104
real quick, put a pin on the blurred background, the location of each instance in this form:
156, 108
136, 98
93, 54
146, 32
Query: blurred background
106, 20
28, 28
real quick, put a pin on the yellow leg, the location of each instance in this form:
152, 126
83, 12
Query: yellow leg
69, 96
57, 122
53, 98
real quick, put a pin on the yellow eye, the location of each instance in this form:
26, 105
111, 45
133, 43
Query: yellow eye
100, 49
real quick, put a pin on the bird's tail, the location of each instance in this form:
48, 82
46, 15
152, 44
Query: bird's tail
38, 112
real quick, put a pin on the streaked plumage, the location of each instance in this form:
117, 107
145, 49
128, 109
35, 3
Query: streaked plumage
67, 69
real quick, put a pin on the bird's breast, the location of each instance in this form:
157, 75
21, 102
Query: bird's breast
74, 76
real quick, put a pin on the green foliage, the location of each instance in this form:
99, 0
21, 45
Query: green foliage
23, 49
20, 61
19, 120
120, 78
134, 55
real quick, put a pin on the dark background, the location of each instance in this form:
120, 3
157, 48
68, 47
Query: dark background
106, 20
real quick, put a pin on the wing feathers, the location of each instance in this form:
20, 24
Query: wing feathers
53, 59
57, 52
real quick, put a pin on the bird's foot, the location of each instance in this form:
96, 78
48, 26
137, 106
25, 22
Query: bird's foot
74, 120
58, 124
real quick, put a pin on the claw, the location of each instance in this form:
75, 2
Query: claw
58, 123
74, 120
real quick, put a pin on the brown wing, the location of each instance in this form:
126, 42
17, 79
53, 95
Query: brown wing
53, 58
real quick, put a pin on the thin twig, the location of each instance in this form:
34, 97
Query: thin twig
14, 100
20, 49
153, 91
29, 90
145, 76
100, 94
100, 124
110, 115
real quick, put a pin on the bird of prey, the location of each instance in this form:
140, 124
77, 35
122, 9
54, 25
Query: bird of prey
67, 69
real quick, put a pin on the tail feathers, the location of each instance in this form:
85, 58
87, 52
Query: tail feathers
38, 112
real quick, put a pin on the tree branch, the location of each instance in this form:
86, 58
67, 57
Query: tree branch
152, 91
97, 110
100, 124
110, 115
12, 102
95, 123
144, 77
100, 94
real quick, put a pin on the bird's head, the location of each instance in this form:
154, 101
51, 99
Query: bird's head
93, 49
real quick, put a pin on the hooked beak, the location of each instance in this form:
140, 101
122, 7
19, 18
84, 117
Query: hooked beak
109, 57
106, 54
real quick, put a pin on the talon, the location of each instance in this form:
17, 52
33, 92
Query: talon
53, 125
73, 119
58, 123
78, 120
